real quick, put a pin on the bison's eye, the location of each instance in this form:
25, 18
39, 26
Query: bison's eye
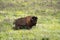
32, 19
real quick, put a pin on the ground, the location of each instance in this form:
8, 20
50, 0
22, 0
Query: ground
48, 24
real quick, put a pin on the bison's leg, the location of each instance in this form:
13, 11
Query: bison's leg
23, 27
16, 27
28, 27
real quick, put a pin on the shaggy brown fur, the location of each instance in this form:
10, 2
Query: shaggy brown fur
26, 22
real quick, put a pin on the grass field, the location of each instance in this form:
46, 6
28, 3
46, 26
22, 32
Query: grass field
48, 24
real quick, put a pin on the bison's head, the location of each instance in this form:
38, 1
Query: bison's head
34, 20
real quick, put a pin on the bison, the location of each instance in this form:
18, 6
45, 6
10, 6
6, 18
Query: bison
26, 22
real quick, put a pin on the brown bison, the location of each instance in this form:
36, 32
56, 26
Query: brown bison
25, 23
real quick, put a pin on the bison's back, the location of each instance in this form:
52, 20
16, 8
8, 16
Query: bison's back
20, 21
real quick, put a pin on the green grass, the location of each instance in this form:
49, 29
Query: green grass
48, 24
